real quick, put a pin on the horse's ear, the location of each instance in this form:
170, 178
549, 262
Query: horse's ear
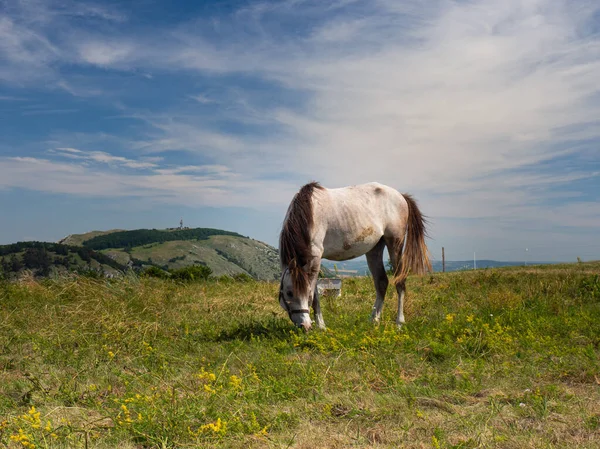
292, 265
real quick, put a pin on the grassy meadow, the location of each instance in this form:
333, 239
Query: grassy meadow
503, 358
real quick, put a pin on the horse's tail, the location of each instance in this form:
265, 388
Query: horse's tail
413, 251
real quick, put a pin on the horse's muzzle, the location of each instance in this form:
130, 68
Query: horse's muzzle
305, 326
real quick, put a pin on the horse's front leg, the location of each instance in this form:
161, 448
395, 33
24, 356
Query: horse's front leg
314, 269
317, 309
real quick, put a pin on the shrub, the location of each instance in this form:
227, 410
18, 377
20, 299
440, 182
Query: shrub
155, 272
242, 277
191, 273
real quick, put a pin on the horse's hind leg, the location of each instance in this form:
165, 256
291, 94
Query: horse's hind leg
394, 247
380, 279
401, 289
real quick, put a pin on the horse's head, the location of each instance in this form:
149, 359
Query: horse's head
295, 295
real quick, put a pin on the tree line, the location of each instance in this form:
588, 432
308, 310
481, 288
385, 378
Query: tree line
140, 237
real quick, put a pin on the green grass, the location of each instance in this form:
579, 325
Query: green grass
504, 358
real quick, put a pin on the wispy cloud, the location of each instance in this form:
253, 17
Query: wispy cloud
101, 157
202, 99
104, 53
25, 54
100, 174
11, 98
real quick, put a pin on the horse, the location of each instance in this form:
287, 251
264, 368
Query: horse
345, 223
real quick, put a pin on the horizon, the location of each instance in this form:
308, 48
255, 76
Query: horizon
115, 115
361, 259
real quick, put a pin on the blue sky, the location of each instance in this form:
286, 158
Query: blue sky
136, 114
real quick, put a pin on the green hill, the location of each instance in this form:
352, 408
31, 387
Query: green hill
78, 239
46, 259
224, 252
139, 237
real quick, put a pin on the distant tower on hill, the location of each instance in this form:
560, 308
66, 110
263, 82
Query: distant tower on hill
181, 224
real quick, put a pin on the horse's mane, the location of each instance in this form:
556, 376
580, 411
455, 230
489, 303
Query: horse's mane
294, 240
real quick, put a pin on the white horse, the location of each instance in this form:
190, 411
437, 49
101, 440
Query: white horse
341, 224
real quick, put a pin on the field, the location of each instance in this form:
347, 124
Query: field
503, 358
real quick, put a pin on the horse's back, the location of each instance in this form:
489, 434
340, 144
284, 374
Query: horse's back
359, 204
351, 220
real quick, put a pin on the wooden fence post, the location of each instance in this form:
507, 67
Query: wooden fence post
443, 261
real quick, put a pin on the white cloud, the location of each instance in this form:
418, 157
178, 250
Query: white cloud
202, 99
102, 157
342, 31
38, 37
25, 54
208, 185
104, 53
194, 138
82, 9
69, 150
215, 169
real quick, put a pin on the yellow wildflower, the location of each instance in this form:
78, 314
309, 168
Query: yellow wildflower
126, 414
235, 382
23, 439
206, 375
262, 432
219, 427
33, 418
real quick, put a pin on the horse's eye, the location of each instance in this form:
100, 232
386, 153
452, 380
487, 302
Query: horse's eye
289, 294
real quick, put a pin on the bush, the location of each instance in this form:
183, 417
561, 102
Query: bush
191, 273
155, 272
242, 277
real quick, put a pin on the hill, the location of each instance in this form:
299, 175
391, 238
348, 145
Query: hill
224, 252
78, 239
499, 358
46, 259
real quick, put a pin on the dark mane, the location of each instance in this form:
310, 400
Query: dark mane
294, 240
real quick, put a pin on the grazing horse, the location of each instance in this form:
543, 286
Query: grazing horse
341, 224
